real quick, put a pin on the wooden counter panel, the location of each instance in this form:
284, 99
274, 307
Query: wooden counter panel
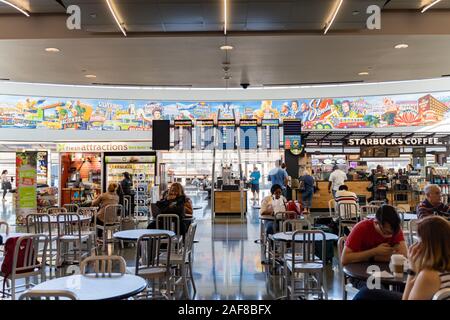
229, 202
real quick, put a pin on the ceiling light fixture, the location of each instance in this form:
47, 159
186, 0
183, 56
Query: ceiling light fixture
52, 50
225, 16
336, 11
116, 18
401, 46
430, 5
16, 7
226, 47
91, 76
364, 73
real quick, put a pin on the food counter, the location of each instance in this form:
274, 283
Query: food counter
229, 202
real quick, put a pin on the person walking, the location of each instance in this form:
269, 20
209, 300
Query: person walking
337, 179
254, 184
278, 176
307, 190
6, 184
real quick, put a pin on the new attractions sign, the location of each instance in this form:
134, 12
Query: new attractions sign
411, 110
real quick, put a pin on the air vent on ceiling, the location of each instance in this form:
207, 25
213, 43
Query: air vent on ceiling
311, 83
141, 85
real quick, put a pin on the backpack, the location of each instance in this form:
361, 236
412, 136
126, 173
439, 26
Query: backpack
8, 260
293, 207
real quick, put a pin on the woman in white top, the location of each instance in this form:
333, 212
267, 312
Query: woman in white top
6, 184
273, 204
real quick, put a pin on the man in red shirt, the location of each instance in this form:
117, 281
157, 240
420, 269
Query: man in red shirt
375, 239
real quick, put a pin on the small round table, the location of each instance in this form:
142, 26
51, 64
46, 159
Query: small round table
359, 271
135, 234
406, 216
54, 218
93, 288
287, 236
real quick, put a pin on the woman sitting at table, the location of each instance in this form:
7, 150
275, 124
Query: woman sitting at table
273, 204
429, 263
175, 202
105, 199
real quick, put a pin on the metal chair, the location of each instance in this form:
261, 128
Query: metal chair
332, 208
6, 224
87, 225
305, 262
443, 294
39, 223
368, 210
55, 211
346, 287
170, 222
348, 214
47, 295
296, 224
412, 231
151, 264
70, 231
275, 248
127, 205
377, 203
103, 266
112, 223
72, 208
30, 267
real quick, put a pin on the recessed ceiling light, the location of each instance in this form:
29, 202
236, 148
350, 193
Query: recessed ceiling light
226, 47
364, 73
52, 50
401, 46
90, 76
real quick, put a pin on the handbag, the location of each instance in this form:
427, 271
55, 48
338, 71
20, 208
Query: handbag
6, 185
301, 186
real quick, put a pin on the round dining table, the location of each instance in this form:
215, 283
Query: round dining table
135, 234
360, 270
97, 288
406, 216
287, 236
54, 218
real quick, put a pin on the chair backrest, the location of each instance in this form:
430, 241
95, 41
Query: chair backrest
332, 207
127, 205
47, 295
340, 247
29, 245
103, 266
189, 241
113, 214
148, 252
39, 223
54, 211
305, 250
279, 218
87, 211
6, 225
412, 230
168, 222
69, 224
347, 211
378, 203
295, 224
71, 207
443, 294
368, 209
401, 212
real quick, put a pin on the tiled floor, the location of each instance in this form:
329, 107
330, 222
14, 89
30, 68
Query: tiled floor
227, 261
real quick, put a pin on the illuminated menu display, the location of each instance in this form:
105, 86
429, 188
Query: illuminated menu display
270, 134
227, 134
292, 132
248, 134
42, 167
182, 134
204, 134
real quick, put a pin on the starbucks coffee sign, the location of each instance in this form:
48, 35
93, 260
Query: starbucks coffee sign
394, 142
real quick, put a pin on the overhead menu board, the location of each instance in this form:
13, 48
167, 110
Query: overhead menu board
227, 134
248, 134
204, 134
292, 132
270, 134
182, 134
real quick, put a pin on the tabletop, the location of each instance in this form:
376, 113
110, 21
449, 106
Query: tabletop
54, 219
287, 236
406, 217
136, 233
268, 217
93, 288
12, 235
359, 271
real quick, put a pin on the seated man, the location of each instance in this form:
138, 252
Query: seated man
345, 196
432, 205
375, 239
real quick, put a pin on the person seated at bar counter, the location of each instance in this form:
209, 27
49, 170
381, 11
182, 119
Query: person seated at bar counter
429, 264
375, 239
432, 205
273, 204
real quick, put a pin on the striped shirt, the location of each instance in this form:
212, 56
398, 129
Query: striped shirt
445, 280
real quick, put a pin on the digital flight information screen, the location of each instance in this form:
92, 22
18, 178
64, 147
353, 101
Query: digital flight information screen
292, 133
270, 134
248, 134
182, 135
227, 134
204, 134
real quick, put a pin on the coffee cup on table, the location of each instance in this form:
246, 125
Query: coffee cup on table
397, 262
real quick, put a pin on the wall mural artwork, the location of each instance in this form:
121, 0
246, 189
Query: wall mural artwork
410, 110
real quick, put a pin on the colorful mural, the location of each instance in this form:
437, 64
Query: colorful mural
319, 114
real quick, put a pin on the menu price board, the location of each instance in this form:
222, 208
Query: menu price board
292, 132
42, 167
183, 135
204, 134
227, 134
248, 134
270, 134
